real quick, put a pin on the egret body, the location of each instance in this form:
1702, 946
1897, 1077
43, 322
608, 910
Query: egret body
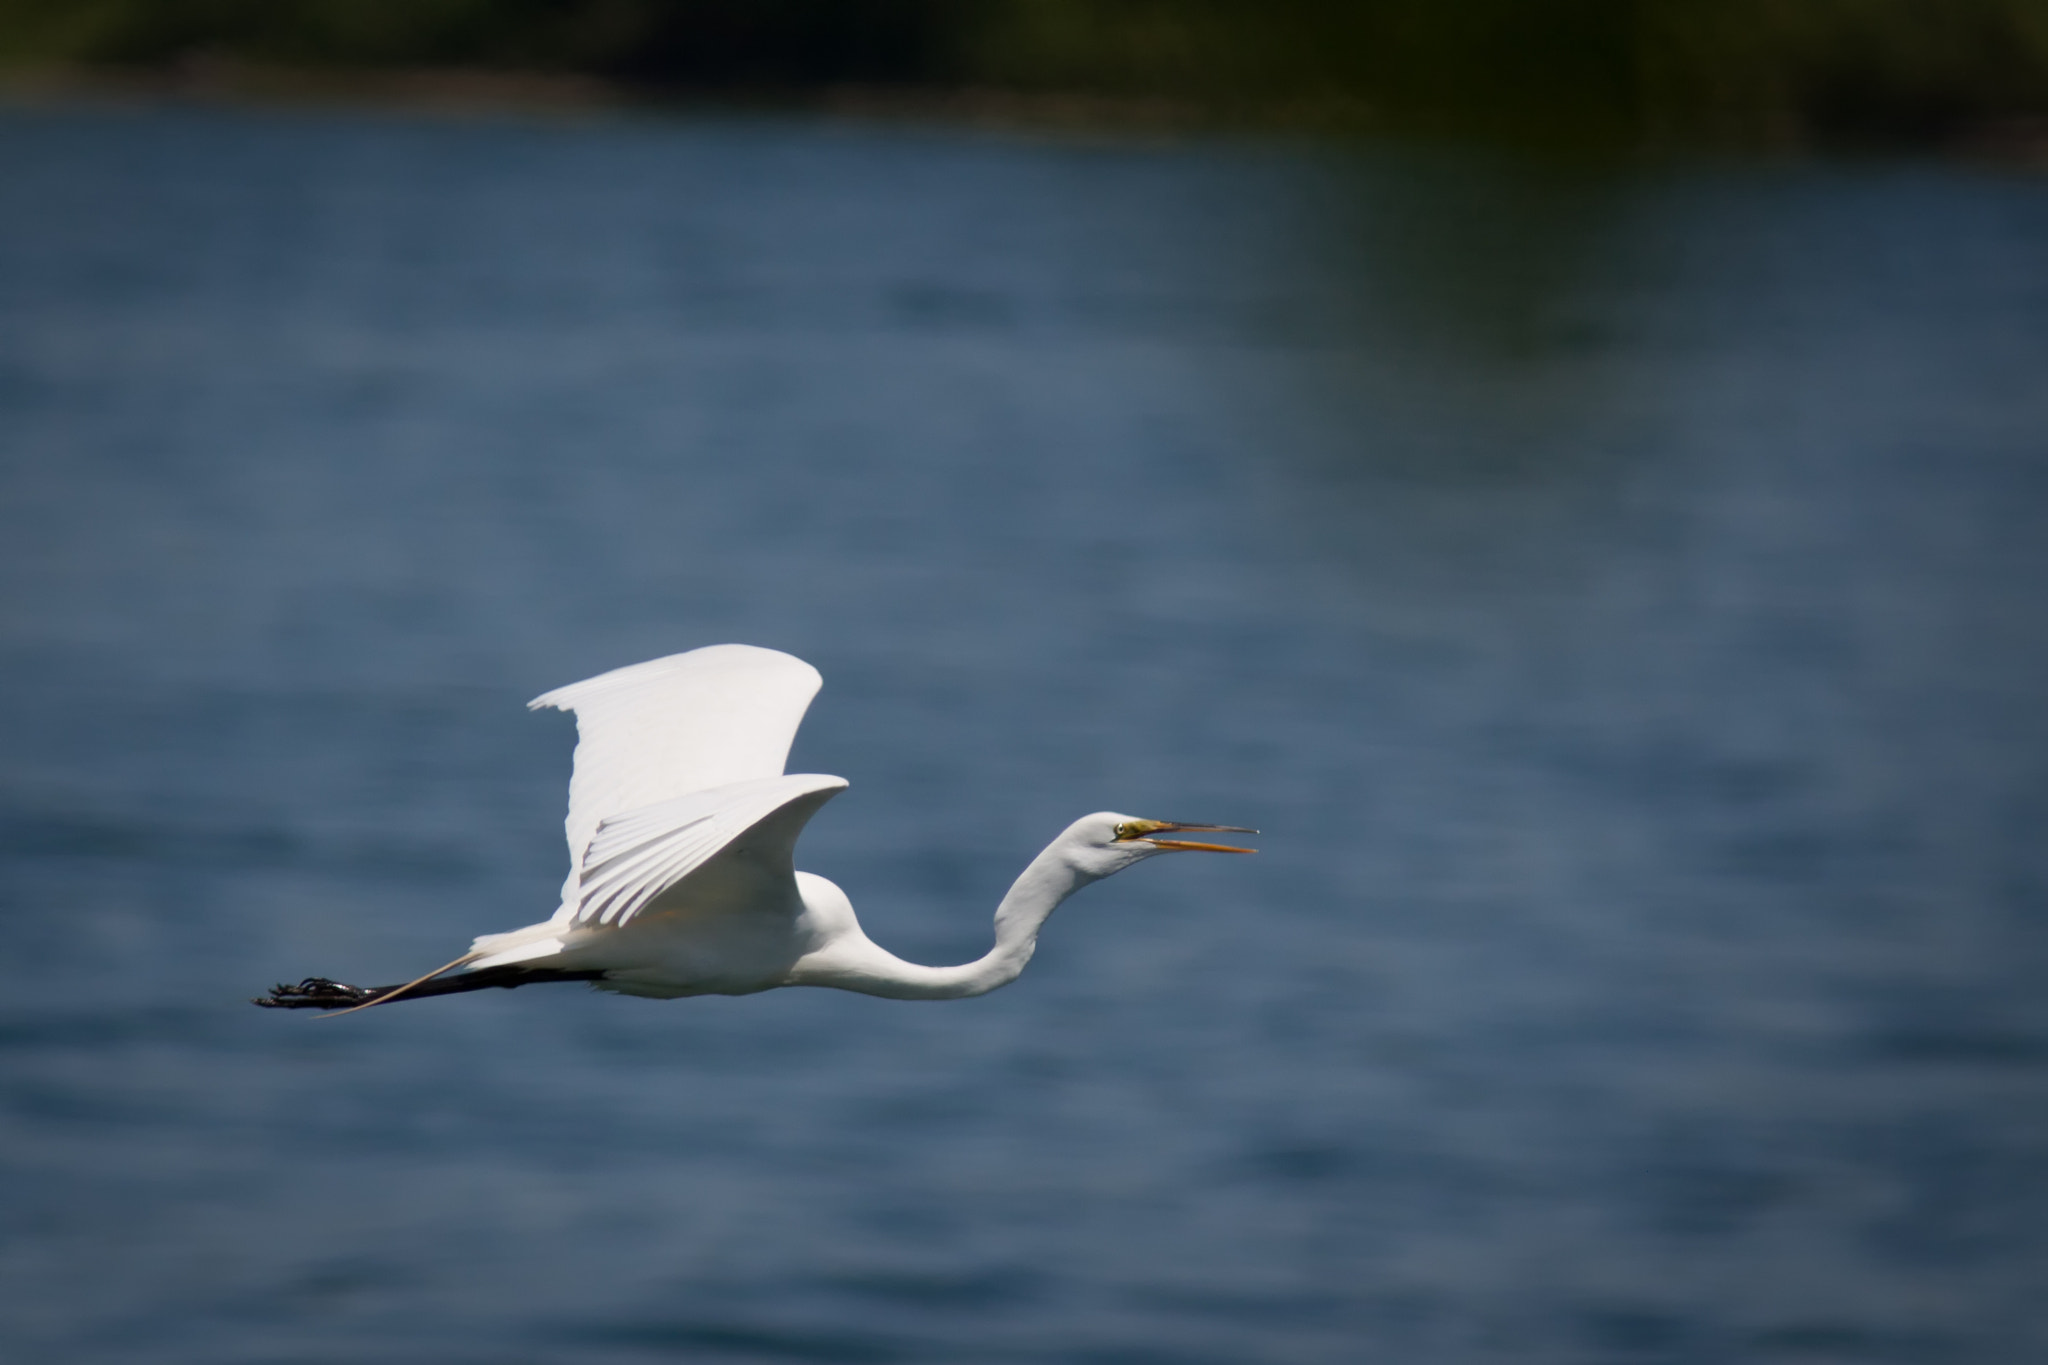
682, 838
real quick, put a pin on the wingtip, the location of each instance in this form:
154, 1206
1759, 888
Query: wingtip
570, 696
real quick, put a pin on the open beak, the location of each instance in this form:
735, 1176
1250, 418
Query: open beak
1150, 828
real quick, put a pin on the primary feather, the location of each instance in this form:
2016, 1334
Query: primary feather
637, 856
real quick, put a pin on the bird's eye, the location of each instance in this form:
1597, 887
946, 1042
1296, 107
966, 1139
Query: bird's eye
1124, 831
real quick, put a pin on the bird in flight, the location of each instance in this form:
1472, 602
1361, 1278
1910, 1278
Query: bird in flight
682, 839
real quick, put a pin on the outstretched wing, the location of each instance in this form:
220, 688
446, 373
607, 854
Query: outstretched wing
750, 828
656, 731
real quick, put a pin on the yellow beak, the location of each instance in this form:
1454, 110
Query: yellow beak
1143, 830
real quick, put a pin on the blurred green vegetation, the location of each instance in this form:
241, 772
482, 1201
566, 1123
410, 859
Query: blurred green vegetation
1671, 69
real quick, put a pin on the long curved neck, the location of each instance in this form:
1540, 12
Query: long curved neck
1032, 898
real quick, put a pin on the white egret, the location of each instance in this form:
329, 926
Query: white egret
682, 834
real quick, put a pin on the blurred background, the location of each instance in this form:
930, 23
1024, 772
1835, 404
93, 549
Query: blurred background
1741, 70
1574, 474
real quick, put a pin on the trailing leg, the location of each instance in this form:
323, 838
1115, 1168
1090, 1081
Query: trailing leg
319, 993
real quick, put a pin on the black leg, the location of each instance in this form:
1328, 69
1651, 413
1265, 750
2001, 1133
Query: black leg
318, 993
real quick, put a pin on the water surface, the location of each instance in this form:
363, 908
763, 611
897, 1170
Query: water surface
1617, 594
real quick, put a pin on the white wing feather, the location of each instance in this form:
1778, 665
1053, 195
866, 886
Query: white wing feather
653, 732
636, 856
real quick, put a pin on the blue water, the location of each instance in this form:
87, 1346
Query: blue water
1618, 593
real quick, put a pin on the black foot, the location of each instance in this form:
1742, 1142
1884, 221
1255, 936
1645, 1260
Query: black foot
314, 993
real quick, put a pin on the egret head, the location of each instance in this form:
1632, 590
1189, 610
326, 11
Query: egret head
1106, 842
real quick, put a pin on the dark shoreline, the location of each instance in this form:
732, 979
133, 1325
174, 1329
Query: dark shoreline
2019, 141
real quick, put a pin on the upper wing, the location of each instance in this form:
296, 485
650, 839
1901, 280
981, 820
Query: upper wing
636, 856
655, 731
